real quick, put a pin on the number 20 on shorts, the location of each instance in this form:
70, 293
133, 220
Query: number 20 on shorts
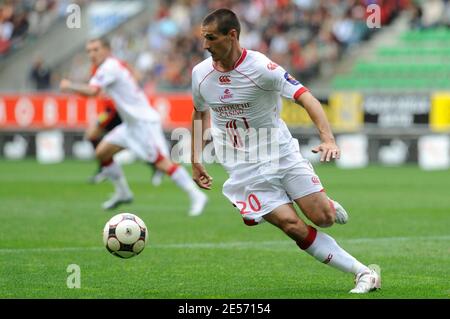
252, 203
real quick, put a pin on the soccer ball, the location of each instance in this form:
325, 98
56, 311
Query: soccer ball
125, 235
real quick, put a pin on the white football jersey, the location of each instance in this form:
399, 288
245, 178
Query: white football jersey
117, 81
245, 108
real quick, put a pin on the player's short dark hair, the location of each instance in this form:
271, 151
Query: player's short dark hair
103, 41
225, 19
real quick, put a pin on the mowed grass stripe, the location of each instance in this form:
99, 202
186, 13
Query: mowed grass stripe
232, 245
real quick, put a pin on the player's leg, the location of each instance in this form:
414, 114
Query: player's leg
317, 208
322, 210
322, 247
94, 134
304, 186
179, 175
157, 175
113, 143
150, 145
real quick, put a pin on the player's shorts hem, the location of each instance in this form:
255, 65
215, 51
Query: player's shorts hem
253, 220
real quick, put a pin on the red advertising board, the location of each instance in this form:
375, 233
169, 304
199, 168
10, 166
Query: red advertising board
71, 112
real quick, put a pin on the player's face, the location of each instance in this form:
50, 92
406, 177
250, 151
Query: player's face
97, 52
218, 44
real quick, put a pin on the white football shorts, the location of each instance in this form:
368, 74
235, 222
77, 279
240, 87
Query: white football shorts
145, 139
264, 187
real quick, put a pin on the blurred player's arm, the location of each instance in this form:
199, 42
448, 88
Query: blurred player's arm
200, 122
79, 88
328, 147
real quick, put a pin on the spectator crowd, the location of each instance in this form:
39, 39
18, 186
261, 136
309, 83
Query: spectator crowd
22, 19
307, 37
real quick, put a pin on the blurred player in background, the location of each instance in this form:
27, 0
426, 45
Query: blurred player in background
140, 130
243, 89
106, 121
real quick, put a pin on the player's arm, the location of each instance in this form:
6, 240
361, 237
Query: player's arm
328, 147
200, 122
79, 88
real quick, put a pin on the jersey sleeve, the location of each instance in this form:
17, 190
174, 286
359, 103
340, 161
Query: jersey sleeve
104, 76
278, 79
199, 102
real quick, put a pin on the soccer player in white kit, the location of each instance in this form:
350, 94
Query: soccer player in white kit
241, 91
140, 130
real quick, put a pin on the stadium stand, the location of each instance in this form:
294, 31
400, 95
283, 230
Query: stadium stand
420, 60
27, 19
391, 82
417, 60
307, 37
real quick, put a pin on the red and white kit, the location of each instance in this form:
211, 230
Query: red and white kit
245, 108
141, 130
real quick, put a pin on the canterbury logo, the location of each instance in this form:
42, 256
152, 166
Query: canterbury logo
272, 66
224, 79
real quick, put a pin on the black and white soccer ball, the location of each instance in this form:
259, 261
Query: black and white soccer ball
125, 235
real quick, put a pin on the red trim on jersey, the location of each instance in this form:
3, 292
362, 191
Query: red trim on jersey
172, 169
300, 91
124, 64
307, 242
241, 59
236, 64
93, 69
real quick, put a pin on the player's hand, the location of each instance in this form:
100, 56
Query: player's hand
329, 151
64, 85
200, 176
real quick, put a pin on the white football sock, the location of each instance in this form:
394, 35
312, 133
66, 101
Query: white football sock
115, 174
183, 180
326, 250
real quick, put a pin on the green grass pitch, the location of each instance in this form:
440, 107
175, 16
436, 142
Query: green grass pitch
51, 218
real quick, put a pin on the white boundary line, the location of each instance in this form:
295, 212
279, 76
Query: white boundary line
228, 245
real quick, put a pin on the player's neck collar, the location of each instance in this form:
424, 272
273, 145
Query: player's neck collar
236, 64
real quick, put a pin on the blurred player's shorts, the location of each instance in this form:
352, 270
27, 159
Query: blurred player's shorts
145, 139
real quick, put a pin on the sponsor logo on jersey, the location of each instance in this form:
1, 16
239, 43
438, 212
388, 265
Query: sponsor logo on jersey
224, 79
229, 110
272, 66
315, 180
291, 79
226, 95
